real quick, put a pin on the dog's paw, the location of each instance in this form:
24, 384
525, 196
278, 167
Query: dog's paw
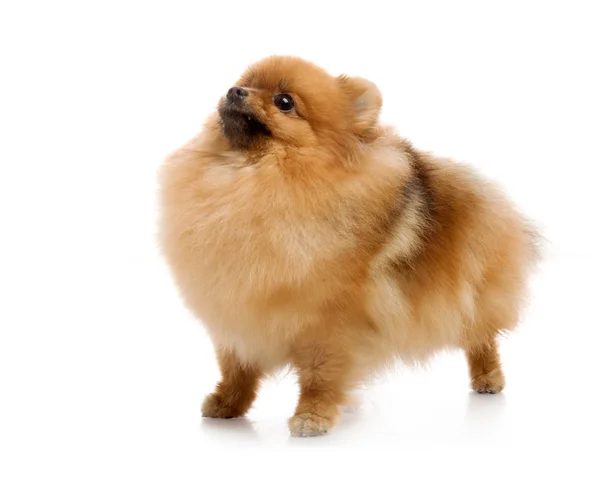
309, 425
492, 382
214, 407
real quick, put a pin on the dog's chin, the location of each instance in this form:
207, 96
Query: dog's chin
241, 128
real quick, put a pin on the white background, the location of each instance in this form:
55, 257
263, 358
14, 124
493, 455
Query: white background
102, 370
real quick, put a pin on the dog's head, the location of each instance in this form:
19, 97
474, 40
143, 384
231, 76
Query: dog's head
290, 101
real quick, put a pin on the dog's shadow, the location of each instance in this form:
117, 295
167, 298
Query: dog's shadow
483, 418
229, 429
485, 414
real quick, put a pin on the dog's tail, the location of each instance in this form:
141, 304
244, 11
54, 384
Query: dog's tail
537, 242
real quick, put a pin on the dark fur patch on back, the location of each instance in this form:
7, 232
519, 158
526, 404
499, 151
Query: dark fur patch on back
423, 181
414, 196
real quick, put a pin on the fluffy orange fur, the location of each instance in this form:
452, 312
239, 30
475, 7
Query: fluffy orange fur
323, 240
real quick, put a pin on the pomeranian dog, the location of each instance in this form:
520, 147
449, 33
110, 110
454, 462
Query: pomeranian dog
303, 232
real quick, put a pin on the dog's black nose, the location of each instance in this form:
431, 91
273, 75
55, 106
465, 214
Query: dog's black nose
236, 94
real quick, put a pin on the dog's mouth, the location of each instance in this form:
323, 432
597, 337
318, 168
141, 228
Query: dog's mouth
240, 125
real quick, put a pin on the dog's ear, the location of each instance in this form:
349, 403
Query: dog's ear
365, 103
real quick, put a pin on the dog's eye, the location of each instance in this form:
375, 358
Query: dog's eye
284, 102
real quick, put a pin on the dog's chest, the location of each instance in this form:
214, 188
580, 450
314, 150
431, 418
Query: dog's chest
248, 263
